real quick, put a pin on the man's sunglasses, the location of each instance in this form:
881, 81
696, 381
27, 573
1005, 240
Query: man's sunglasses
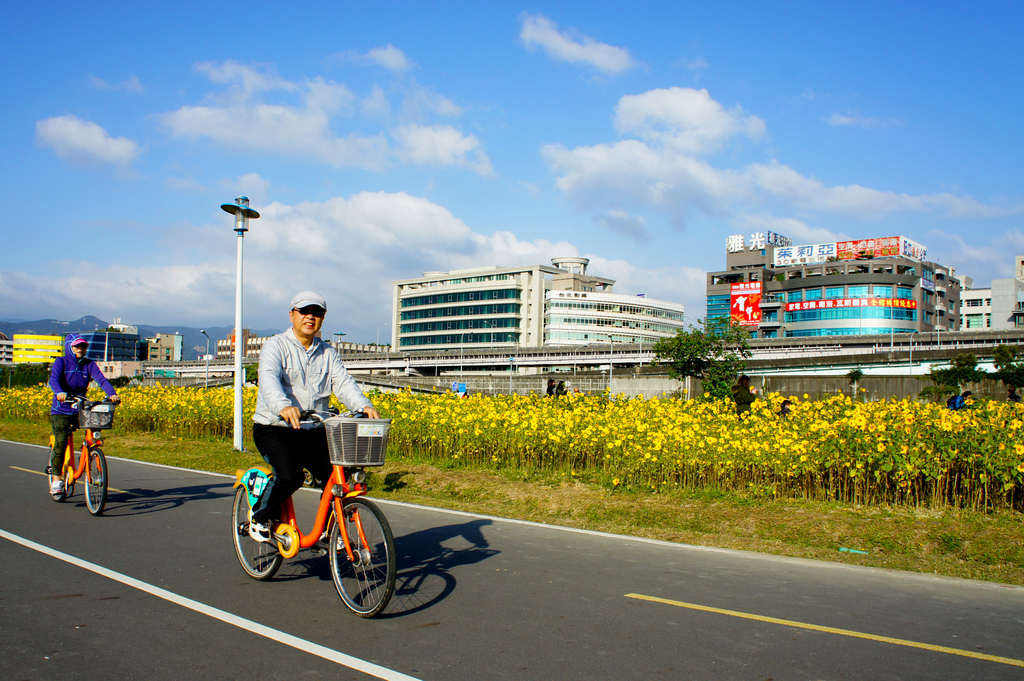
314, 310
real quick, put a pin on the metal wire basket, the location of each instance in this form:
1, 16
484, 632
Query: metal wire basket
96, 415
357, 442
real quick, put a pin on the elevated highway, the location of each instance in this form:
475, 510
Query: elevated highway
899, 354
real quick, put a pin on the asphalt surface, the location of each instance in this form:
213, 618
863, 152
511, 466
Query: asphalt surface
477, 598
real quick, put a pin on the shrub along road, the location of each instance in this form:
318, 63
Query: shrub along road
478, 597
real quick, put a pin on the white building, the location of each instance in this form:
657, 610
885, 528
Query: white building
529, 306
998, 308
975, 309
577, 318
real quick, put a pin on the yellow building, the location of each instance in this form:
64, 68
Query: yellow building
29, 348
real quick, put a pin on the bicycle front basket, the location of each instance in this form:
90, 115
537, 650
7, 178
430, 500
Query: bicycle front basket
357, 442
96, 415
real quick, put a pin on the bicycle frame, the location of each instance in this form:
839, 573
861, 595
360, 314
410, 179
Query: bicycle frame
76, 471
290, 537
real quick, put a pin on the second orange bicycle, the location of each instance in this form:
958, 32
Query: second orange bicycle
94, 417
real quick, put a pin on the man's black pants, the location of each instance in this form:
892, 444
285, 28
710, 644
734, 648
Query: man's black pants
288, 450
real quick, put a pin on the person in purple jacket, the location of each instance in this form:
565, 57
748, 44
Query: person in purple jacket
70, 377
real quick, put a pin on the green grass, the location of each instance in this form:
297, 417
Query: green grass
956, 543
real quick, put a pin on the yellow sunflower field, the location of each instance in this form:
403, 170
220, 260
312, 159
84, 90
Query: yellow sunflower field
895, 452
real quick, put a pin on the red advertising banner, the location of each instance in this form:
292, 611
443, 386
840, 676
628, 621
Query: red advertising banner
851, 302
885, 247
745, 309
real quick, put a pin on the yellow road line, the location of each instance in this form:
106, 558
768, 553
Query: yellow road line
833, 630
110, 489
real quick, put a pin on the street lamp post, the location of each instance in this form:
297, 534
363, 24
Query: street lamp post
378, 332
240, 209
202, 331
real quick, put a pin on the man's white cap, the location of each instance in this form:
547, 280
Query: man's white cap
308, 298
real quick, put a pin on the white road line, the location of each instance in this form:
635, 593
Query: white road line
234, 620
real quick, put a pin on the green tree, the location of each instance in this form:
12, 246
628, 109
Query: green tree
962, 370
252, 373
854, 377
1007, 369
25, 374
712, 351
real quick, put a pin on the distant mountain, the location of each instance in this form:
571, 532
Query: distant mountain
194, 343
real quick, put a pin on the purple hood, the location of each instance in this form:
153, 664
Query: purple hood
71, 375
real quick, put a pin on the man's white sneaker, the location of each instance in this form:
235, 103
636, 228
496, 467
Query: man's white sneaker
56, 486
259, 532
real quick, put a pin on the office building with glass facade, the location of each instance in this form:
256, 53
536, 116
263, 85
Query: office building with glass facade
529, 306
872, 286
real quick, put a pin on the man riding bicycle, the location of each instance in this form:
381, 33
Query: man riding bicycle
70, 377
297, 372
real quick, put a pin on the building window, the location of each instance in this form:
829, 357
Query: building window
975, 321
972, 302
770, 316
883, 291
904, 293
988, 320
813, 294
858, 291
796, 296
770, 334
718, 306
834, 292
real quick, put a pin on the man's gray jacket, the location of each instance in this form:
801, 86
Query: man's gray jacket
291, 376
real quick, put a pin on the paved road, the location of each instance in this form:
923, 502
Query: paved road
477, 598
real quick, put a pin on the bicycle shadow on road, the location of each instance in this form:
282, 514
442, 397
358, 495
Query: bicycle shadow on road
138, 501
426, 559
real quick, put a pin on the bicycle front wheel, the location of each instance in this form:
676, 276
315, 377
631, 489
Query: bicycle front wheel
259, 559
365, 582
96, 481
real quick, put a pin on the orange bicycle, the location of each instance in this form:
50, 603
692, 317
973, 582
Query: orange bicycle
95, 417
360, 544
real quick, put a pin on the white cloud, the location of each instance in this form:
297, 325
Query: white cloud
631, 226
684, 118
304, 129
866, 122
419, 101
244, 80
661, 169
441, 145
389, 57
376, 103
86, 142
350, 249
130, 85
569, 46
798, 230
698, 64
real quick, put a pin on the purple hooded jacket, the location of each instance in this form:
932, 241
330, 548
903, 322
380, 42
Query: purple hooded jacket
72, 375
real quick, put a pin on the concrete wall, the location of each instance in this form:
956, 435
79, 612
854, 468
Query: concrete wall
875, 387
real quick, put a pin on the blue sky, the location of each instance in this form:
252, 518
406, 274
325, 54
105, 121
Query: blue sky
383, 140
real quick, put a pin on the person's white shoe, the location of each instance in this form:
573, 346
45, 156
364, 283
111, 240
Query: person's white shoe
56, 486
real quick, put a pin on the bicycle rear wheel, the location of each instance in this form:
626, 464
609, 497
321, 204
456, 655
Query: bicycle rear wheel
96, 481
259, 559
367, 582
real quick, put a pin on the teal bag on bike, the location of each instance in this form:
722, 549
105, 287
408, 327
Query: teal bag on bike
256, 480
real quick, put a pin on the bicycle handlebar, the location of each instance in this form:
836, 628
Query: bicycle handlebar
312, 416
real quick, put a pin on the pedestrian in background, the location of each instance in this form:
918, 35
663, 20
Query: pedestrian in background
743, 394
